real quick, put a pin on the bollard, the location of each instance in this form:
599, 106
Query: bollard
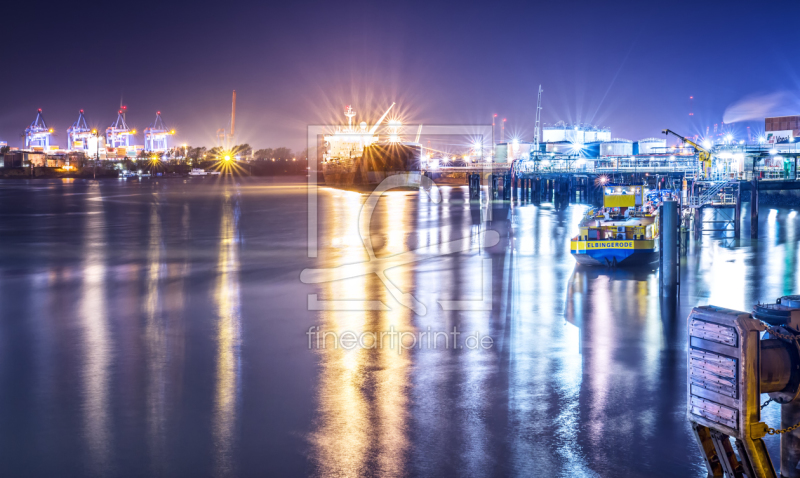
684, 239
790, 442
754, 208
669, 241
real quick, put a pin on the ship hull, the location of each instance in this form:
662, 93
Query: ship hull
615, 253
370, 180
378, 162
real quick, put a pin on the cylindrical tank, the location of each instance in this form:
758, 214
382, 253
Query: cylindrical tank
652, 146
616, 147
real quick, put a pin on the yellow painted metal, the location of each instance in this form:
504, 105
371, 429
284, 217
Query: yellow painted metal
619, 200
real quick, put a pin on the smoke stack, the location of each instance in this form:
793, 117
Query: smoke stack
233, 115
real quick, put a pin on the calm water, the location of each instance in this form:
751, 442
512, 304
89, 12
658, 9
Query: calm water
159, 328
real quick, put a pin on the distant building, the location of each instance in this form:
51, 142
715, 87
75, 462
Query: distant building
616, 147
781, 129
650, 146
577, 149
507, 152
575, 133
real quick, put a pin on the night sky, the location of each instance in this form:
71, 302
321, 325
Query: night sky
630, 66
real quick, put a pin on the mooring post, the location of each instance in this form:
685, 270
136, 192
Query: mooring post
696, 222
754, 207
669, 253
790, 442
737, 212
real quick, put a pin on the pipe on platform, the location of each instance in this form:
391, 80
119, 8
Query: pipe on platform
669, 237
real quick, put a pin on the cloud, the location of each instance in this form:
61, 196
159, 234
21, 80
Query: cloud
758, 107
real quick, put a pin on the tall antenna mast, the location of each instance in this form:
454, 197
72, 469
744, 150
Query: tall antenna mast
349, 113
538, 120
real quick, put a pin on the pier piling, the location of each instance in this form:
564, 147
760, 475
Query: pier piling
669, 250
754, 208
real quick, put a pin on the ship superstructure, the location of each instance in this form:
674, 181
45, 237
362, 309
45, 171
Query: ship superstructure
354, 155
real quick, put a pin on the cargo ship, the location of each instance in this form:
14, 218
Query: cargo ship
623, 232
357, 157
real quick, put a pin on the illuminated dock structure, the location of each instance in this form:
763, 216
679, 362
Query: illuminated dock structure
156, 135
80, 136
118, 135
37, 135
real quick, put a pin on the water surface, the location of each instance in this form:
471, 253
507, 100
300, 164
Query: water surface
159, 328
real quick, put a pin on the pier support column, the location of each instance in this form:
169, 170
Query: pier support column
697, 223
754, 208
737, 213
669, 251
790, 442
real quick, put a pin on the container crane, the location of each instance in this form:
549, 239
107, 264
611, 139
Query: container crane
118, 135
37, 135
155, 136
703, 154
79, 135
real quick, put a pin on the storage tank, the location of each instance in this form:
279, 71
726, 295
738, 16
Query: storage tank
581, 133
501, 153
652, 146
616, 147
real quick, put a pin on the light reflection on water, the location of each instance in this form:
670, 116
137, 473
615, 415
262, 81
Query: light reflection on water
98, 349
147, 342
228, 366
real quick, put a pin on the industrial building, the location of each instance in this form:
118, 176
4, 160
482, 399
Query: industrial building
576, 149
781, 129
575, 133
650, 146
507, 152
616, 147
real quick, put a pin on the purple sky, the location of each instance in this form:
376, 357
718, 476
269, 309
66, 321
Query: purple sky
630, 66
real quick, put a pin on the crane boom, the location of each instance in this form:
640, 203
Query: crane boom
703, 154
691, 143
374, 128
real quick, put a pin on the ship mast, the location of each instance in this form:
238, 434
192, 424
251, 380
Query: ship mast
350, 114
538, 118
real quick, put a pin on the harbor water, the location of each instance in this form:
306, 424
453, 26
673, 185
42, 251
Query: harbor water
171, 327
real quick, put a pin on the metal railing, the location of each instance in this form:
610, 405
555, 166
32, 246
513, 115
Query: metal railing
714, 194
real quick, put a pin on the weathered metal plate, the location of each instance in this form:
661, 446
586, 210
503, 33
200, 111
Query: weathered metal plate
715, 412
713, 332
713, 372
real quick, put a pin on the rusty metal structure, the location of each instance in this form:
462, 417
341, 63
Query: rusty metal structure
735, 357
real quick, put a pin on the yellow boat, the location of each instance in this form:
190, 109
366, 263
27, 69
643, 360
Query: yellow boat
623, 232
